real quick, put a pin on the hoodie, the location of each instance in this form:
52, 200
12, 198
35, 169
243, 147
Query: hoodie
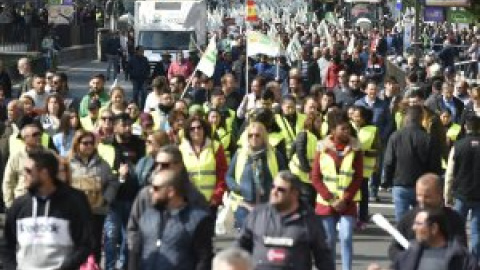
47, 233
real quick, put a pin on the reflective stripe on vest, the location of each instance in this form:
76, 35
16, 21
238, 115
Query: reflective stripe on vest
201, 169
336, 182
366, 136
107, 153
87, 123
242, 157
16, 144
294, 164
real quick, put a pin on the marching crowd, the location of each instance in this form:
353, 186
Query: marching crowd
299, 151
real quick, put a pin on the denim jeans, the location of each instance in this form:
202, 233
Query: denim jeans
113, 61
462, 207
139, 94
347, 224
403, 199
115, 230
240, 216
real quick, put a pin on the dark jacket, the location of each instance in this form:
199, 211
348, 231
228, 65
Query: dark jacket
302, 228
139, 68
185, 241
410, 153
466, 170
6, 83
113, 46
313, 73
347, 98
457, 257
68, 215
143, 170
456, 229
437, 104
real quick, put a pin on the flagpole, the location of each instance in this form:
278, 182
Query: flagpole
246, 67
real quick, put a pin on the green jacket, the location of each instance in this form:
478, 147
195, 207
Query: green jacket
83, 110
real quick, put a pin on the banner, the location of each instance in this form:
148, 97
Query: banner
209, 59
251, 11
460, 16
434, 14
448, 3
258, 43
60, 14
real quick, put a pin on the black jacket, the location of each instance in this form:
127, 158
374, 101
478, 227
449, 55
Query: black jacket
456, 229
410, 153
290, 242
347, 98
437, 105
466, 169
68, 215
139, 68
6, 83
457, 257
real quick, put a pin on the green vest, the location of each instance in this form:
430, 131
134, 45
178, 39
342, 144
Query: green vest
289, 132
87, 123
107, 153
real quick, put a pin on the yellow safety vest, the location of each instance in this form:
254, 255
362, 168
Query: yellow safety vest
399, 120
294, 164
201, 169
107, 153
366, 136
453, 132
336, 182
225, 138
289, 132
87, 123
16, 144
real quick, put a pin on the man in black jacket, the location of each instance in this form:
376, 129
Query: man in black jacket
169, 231
139, 71
428, 190
289, 229
49, 227
432, 250
462, 178
410, 153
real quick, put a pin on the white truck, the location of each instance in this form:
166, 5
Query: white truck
169, 26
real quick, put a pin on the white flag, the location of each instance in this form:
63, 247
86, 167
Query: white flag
209, 59
294, 49
351, 44
258, 43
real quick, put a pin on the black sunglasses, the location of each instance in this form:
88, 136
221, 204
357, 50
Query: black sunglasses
163, 165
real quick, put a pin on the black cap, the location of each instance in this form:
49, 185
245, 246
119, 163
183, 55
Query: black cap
121, 117
94, 104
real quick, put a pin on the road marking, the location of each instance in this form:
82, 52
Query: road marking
381, 205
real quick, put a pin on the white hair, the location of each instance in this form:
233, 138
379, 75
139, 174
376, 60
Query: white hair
233, 257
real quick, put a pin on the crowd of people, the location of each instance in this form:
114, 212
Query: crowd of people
299, 151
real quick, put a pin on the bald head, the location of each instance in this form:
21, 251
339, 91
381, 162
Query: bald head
429, 191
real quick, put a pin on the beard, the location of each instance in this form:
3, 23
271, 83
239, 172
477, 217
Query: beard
34, 186
160, 204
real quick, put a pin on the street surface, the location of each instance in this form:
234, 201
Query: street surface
370, 245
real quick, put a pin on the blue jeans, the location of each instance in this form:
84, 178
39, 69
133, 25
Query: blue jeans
403, 199
115, 233
113, 61
240, 216
139, 94
462, 207
347, 224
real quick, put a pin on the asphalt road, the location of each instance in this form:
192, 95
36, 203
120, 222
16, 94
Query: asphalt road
370, 245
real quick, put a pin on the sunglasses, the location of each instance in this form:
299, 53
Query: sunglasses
87, 143
256, 135
163, 165
157, 188
196, 128
279, 189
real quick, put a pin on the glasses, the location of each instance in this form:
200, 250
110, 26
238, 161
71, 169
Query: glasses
279, 189
107, 118
196, 128
87, 143
163, 164
256, 135
157, 188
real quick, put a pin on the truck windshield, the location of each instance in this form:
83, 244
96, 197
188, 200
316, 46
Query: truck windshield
363, 10
166, 40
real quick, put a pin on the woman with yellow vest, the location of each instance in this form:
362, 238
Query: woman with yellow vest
453, 131
303, 151
221, 132
204, 160
337, 174
371, 145
251, 172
